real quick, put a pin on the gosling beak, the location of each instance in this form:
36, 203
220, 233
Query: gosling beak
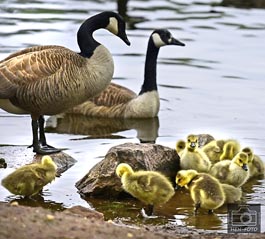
245, 167
177, 187
193, 145
123, 36
174, 41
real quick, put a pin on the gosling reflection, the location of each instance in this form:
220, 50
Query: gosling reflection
36, 201
147, 129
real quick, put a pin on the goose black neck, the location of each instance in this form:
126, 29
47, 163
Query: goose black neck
86, 42
150, 68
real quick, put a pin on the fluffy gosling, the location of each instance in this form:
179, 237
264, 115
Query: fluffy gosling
193, 157
255, 163
150, 187
234, 172
29, 180
205, 190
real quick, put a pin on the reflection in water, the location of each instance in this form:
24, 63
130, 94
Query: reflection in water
147, 129
36, 201
244, 3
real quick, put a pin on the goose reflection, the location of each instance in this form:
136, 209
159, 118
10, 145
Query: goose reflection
147, 129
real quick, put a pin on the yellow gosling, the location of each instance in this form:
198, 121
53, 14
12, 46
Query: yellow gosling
180, 146
234, 172
205, 190
193, 157
150, 187
232, 194
255, 163
29, 180
230, 149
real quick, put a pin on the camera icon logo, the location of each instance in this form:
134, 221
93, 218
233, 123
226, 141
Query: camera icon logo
244, 217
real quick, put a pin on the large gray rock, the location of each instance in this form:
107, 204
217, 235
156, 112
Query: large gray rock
101, 180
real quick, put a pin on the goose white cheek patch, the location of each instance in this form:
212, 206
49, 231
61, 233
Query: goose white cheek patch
113, 25
157, 40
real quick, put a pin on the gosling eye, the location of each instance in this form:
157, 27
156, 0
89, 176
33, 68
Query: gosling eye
240, 160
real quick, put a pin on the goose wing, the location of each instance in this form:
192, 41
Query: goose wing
114, 94
30, 65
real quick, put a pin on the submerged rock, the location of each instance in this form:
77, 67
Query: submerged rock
101, 180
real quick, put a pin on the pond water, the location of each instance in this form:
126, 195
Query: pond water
215, 84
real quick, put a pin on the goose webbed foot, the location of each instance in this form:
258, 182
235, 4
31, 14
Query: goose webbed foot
45, 149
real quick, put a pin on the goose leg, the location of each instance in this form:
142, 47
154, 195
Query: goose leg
40, 146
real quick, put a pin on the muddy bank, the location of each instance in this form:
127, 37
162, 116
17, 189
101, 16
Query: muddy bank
19, 222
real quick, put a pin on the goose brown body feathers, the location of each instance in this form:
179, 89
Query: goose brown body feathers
47, 80
120, 102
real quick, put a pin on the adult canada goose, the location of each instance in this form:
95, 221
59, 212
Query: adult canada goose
205, 190
255, 163
193, 157
150, 187
234, 172
47, 80
29, 180
119, 102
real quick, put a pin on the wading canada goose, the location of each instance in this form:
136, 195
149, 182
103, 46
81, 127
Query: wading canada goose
150, 187
119, 102
192, 157
47, 80
29, 180
205, 190
255, 163
234, 172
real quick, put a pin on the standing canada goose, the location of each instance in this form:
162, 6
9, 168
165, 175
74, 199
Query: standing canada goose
150, 187
192, 157
47, 80
29, 180
205, 190
234, 172
255, 163
119, 102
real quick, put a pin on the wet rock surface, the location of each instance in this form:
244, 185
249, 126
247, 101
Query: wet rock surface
101, 180
17, 156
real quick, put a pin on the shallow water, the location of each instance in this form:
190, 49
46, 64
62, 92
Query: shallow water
215, 84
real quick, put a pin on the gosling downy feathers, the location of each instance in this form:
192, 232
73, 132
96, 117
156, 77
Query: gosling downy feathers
255, 163
120, 102
217, 150
192, 157
29, 180
234, 172
150, 187
47, 80
232, 194
205, 190
180, 145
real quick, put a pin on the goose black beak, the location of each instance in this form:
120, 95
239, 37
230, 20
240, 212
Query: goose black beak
174, 41
123, 36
